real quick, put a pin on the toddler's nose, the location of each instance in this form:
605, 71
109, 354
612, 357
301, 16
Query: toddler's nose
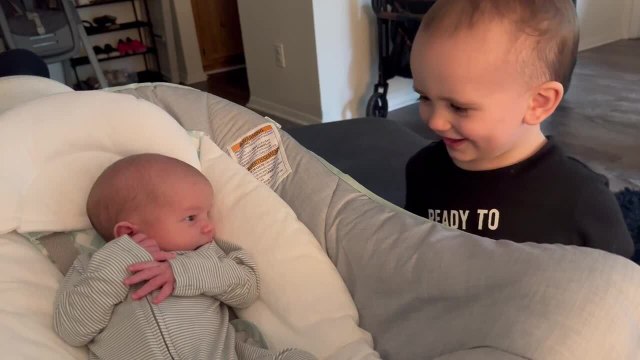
438, 123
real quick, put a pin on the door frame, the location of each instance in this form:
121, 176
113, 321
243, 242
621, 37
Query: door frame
633, 29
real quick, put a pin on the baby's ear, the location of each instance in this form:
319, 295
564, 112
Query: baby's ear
124, 228
544, 102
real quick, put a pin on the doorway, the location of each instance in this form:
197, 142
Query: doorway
219, 36
220, 40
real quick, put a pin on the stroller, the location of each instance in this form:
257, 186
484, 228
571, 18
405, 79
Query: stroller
52, 29
398, 22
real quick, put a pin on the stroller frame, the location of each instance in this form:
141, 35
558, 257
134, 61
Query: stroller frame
394, 20
77, 36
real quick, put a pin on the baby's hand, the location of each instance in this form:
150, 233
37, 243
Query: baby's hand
158, 275
152, 247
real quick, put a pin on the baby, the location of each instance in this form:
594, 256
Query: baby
161, 287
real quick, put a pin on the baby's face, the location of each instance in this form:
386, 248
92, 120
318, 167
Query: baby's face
183, 222
472, 93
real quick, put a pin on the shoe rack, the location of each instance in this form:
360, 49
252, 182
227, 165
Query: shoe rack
139, 43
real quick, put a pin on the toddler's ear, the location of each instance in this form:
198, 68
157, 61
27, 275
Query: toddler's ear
124, 228
544, 102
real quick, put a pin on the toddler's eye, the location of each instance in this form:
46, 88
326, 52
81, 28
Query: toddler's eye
190, 218
458, 109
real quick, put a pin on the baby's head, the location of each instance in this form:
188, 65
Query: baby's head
161, 197
489, 73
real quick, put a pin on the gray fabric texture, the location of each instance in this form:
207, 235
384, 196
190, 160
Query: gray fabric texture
425, 291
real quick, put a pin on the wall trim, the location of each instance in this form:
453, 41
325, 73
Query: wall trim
286, 113
225, 69
634, 21
588, 43
190, 61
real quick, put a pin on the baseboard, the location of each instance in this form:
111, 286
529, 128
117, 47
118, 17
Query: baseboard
286, 113
586, 44
221, 70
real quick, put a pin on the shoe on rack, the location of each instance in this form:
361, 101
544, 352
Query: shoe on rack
121, 77
89, 27
109, 76
105, 21
92, 83
108, 49
124, 47
136, 45
100, 53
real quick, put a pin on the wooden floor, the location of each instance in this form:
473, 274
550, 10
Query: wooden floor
232, 85
599, 120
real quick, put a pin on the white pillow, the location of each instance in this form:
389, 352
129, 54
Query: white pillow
53, 148
15, 90
28, 284
51, 151
303, 301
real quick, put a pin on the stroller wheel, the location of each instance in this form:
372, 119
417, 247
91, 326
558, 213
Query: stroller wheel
377, 106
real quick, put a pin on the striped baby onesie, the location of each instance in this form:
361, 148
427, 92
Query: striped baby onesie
93, 307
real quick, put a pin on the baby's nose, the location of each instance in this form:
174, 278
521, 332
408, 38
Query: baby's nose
207, 227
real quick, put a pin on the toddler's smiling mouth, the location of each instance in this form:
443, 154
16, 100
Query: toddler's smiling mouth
453, 143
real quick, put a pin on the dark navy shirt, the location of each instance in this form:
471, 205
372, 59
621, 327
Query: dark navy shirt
547, 198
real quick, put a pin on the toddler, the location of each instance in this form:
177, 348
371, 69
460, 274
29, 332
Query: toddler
488, 74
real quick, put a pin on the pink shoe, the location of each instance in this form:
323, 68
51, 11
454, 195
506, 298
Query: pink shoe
124, 48
136, 45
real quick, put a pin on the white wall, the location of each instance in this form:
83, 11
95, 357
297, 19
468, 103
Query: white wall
347, 46
345, 39
331, 55
292, 92
634, 21
165, 30
189, 60
604, 21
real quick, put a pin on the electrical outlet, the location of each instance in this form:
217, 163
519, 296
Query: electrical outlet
279, 55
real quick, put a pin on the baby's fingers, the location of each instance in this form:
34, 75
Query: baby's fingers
142, 275
163, 256
141, 266
149, 245
151, 285
164, 293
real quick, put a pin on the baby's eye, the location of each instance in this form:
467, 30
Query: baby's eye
190, 218
458, 109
